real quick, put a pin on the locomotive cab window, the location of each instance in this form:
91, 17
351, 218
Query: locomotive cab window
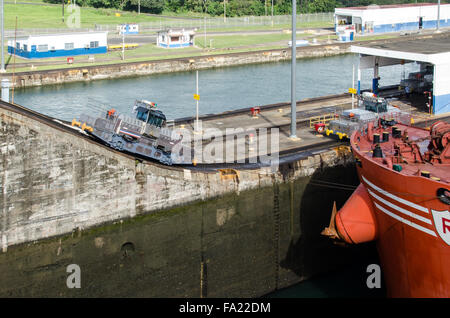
142, 115
156, 119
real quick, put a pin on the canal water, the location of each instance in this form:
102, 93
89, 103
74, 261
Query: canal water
219, 89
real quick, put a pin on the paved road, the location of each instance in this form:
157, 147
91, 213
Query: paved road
151, 38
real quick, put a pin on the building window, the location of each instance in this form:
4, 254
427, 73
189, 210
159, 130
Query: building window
25, 47
68, 46
42, 48
93, 44
18, 46
174, 39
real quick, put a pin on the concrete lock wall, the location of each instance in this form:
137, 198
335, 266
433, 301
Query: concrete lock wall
143, 229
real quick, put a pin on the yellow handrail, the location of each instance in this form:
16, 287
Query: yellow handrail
324, 118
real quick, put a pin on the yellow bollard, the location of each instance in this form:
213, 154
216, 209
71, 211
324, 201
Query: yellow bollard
86, 127
76, 123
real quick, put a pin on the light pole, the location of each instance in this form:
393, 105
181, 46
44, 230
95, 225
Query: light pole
123, 44
204, 4
3, 38
293, 64
272, 12
197, 98
438, 14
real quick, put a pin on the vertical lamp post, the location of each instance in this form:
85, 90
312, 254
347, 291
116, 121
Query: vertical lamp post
3, 38
123, 44
204, 4
197, 99
272, 12
293, 64
438, 14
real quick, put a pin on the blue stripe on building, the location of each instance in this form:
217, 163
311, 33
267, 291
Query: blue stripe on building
175, 45
409, 26
57, 53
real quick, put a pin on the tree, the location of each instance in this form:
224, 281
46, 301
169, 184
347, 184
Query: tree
321, 6
151, 6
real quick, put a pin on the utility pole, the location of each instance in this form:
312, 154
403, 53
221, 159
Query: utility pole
204, 3
123, 44
139, 6
62, 1
2, 69
293, 65
353, 86
224, 11
272, 12
438, 14
196, 116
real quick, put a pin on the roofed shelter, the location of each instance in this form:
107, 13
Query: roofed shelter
431, 53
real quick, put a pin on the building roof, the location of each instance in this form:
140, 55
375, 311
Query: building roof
390, 6
177, 31
56, 34
433, 50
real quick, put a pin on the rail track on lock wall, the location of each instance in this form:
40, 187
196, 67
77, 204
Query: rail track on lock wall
286, 155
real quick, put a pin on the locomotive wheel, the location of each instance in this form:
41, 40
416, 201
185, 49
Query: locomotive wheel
128, 138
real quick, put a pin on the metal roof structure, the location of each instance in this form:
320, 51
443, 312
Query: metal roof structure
431, 50
428, 50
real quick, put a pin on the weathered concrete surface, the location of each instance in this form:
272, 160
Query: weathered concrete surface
232, 236
67, 200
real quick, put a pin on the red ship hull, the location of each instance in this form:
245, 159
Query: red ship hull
414, 258
403, 204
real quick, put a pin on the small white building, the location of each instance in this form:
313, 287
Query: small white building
175, 38
55, 45
392, 18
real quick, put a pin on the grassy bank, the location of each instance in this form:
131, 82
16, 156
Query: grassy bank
45, 16
50, 16
230, 41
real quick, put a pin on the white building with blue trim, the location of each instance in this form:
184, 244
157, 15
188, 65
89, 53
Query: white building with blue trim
393, 18
175, 38
56, 45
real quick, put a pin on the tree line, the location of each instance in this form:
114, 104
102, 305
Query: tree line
233, 7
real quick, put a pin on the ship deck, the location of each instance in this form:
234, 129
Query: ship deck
409, 167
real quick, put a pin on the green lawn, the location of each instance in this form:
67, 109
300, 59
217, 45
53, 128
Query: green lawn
226, 41
50, 16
